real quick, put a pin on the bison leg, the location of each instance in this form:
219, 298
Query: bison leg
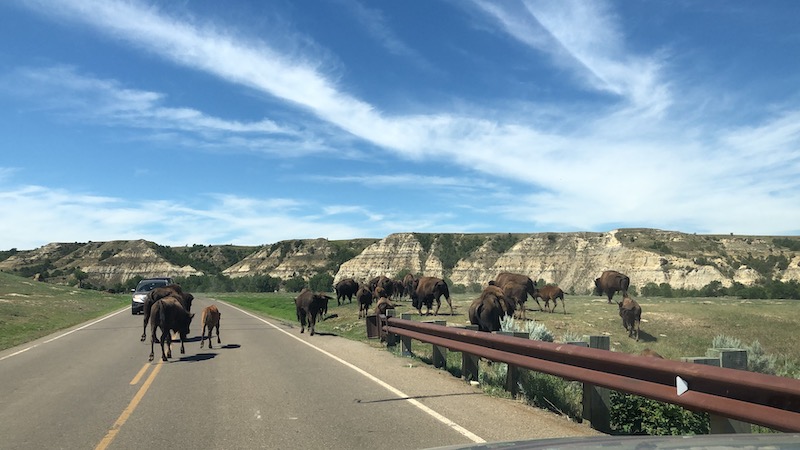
164, 340
145, 319
203, 337
210, 330
152, 343
209, 337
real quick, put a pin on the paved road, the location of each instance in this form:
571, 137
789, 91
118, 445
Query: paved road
266, 386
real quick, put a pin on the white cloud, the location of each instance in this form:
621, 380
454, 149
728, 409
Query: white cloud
631, 160
34, 213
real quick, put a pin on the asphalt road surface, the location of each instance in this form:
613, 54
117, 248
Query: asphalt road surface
265, 386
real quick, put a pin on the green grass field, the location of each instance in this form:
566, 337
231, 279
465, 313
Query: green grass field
31, 309
673, 327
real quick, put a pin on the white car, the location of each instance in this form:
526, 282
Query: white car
145, 286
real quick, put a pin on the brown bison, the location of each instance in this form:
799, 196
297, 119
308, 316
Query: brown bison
382, 305
611, 282
170, 290
168, 314
398, 289
210, 320
364, 299
486, 310
529, 288
308, 305
408, 284
345, 288
551, 292
427, 290
387, 284
631, 314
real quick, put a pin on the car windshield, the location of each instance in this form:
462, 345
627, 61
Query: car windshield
147, 286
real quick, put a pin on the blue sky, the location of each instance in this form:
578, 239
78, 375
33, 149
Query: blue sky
207, 122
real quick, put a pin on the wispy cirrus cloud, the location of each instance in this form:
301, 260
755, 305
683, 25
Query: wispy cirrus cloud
586, 38
63, 88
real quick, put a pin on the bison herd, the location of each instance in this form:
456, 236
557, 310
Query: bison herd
169, 309
507, 293
504, 296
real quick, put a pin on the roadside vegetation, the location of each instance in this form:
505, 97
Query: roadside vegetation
673, 327
31, 309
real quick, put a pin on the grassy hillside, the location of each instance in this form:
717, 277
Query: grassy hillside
30, 309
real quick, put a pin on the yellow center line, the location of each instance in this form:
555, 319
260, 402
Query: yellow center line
112, 433
139, 375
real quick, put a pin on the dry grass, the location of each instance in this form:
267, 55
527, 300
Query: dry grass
673, 327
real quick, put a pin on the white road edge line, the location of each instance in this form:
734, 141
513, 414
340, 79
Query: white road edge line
458, 428
64, 334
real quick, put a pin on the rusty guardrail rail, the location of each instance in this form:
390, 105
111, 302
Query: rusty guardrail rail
756, 398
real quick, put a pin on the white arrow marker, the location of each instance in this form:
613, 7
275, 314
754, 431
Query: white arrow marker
682, 385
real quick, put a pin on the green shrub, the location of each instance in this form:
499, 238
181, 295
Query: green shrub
295, 284
757, 359
321, 282
635, 415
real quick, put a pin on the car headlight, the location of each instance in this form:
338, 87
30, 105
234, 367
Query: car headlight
139, 298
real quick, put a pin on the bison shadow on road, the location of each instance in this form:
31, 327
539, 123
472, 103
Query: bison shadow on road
231, 346
198, 357
322, 333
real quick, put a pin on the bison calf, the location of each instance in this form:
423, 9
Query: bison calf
631, 314
553, 293
364, 299
210, 318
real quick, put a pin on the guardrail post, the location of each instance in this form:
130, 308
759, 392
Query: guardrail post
439, 352
405, 340
512, 372
596, 400
391, 338
469, 363
730, 359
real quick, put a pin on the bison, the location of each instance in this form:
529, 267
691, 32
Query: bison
308, 305
168, 314
528, 284
364, 299
210, 319
426, 290
631, 314
382, 305
170, 290
345, 288
408, 284
486, 310
611, 282
553, 293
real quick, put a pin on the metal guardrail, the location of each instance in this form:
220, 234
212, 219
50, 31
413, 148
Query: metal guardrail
756, 398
